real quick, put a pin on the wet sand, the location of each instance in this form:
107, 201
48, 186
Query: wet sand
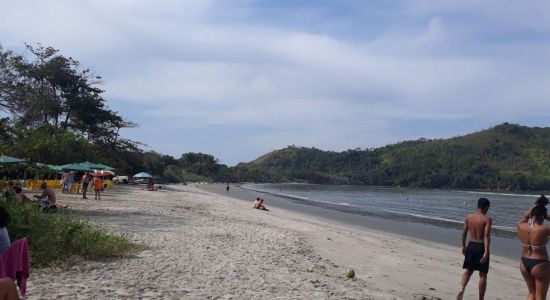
210, 246
502, 246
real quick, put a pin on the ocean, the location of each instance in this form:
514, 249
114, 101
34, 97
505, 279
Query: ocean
430, 206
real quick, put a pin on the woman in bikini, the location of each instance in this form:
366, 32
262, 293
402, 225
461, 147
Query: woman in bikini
534, 264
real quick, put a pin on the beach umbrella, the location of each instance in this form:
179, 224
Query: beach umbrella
51, 168
81, 167
143, 175
54, 168
95, 166
104, 173
8, 160
105, 167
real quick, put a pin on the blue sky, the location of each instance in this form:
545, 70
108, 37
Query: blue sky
237, 79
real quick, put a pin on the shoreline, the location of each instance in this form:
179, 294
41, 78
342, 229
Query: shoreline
393, 256
500, 245
209, 246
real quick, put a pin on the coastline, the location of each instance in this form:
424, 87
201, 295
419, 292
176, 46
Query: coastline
209, 246
500, 245
395, 258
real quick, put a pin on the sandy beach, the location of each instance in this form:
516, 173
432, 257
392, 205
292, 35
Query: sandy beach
209, 246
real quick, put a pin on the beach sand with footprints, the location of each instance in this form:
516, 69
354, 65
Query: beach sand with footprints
208, 246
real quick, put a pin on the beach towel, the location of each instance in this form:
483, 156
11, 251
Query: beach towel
14, 263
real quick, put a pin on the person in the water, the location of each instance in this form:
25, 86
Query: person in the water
476, 254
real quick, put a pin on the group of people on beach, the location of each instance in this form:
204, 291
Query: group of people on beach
68, 179
533, 236
46, 199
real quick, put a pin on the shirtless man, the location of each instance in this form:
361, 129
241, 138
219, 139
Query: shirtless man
476, 255
47, 198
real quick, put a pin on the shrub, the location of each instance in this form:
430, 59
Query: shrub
56, 238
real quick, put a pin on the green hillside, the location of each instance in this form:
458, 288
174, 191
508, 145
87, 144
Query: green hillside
505, 157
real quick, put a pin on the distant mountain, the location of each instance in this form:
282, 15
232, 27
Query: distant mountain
504, 157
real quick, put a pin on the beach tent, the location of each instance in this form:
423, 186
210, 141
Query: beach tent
143, 175
8, 160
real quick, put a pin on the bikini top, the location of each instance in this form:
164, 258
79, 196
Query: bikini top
530, 247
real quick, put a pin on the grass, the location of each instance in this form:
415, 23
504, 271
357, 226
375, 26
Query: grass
58, 238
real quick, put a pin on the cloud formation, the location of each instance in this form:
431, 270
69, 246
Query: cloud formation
239, 79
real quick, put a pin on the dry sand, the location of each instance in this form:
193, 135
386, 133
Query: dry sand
206, 246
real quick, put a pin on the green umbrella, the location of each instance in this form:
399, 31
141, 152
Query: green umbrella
54, 168
50, 168
81, 167
8, 160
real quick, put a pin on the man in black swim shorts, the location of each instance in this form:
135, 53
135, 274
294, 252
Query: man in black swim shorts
476, 254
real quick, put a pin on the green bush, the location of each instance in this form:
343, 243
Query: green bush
57, 238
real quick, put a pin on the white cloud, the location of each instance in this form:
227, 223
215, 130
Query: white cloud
191, 70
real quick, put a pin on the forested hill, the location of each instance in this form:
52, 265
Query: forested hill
504, 157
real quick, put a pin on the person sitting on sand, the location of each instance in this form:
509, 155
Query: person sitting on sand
151, 186
47, 198
476, 255
259, 204
256, 203
534, 257
10, 190
20, 196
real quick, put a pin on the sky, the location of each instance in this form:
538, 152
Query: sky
237, 79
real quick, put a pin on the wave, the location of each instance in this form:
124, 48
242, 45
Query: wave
501, 194
423, 216
386, 213
275, 193
447, 220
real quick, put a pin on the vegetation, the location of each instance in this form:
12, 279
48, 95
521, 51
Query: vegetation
505, 157
55, 238
56, 114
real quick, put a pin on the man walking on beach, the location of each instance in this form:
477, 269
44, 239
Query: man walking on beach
476, 255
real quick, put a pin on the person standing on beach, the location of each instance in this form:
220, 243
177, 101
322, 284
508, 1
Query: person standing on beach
85, 183
476, 255
227, 188
533, 235
98, 185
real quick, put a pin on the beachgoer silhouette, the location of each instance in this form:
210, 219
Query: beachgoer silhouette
533, 236
476, 255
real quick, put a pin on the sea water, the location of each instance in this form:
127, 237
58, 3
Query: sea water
432, 206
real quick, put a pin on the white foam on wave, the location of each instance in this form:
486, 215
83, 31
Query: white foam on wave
423, 216
275, 193
501, 194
